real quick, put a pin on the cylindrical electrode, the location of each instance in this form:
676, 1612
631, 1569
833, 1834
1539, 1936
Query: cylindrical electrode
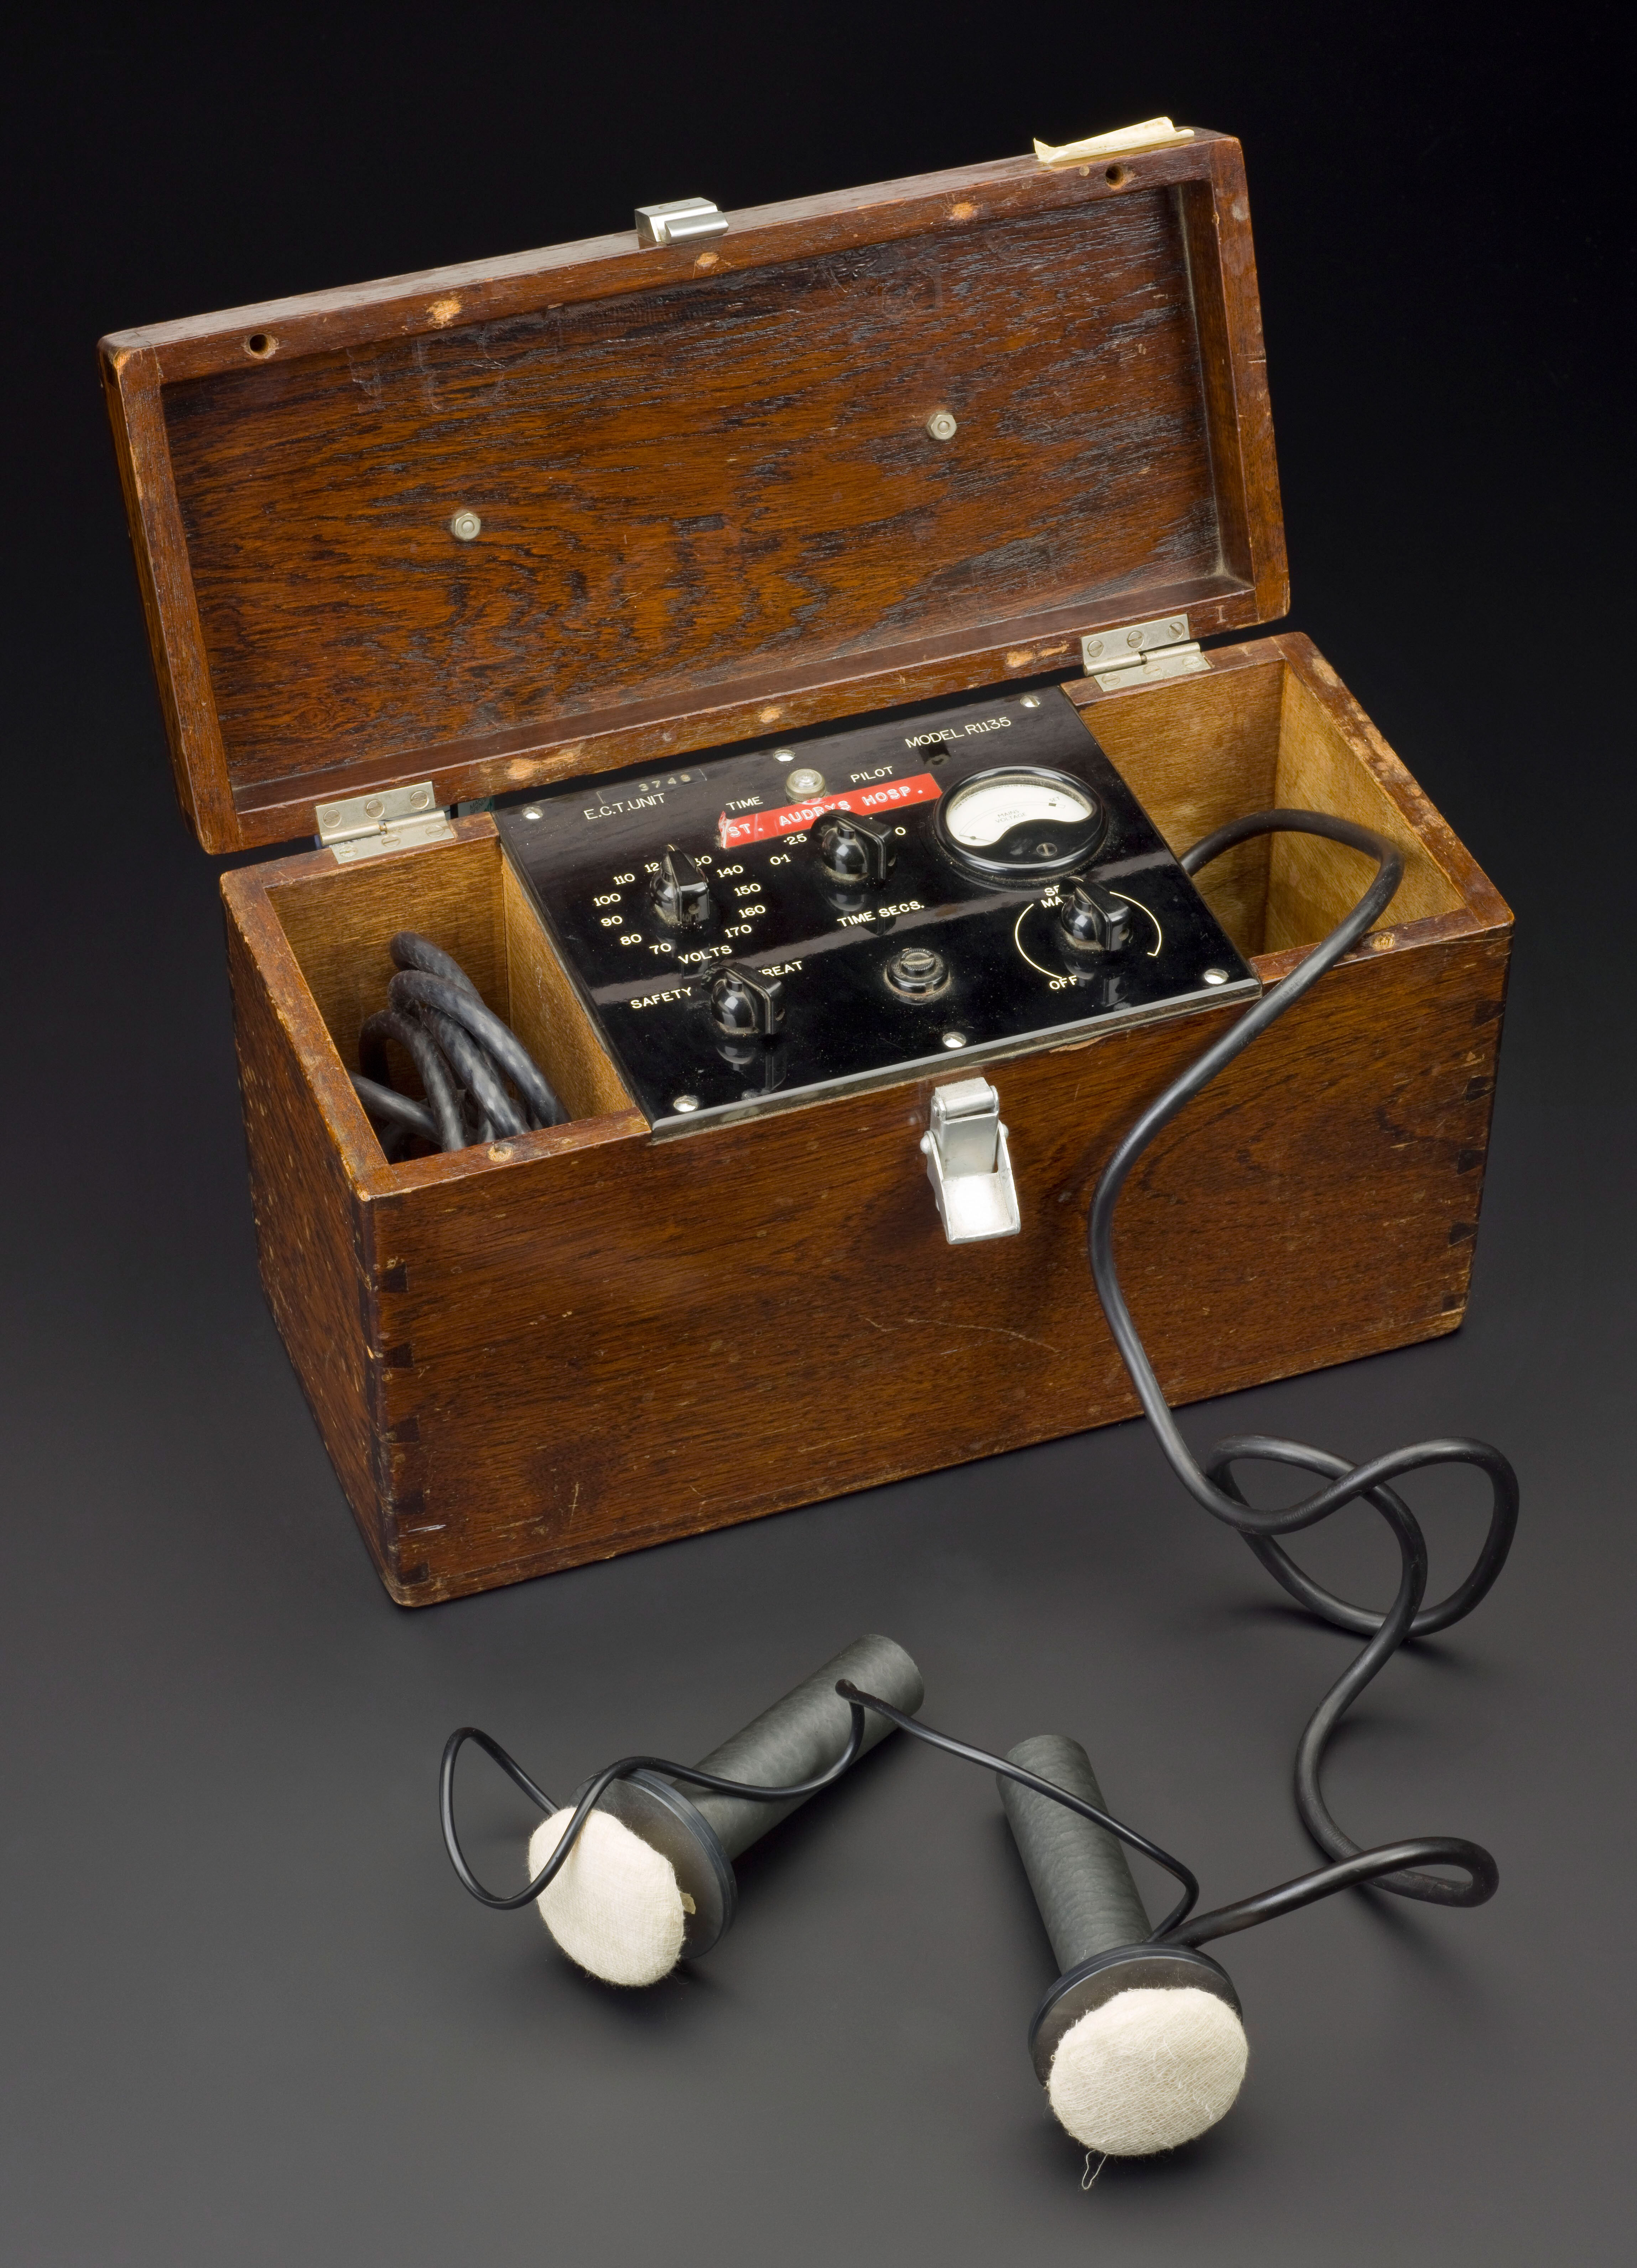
1078, 1872
1138, 2045
650, 1881
802, 1736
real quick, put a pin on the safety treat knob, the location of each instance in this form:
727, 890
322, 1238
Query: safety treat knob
680, 892
1092, 919
745, 1002
856, 851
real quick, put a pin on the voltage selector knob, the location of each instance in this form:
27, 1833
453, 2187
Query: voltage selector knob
680, 893
1092, 919
856, 851
745, 1002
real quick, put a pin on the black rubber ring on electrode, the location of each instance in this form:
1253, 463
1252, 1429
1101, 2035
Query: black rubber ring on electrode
1122, 1969
661, 1815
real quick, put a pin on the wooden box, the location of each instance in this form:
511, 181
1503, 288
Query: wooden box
710, 505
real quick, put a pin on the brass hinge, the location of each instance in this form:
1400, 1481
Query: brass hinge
1140, 653
388, 819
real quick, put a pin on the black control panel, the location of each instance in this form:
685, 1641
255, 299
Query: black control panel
762, 927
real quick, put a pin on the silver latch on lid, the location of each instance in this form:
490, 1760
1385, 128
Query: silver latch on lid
685, 222
968, 1163
386, 818
1141, 652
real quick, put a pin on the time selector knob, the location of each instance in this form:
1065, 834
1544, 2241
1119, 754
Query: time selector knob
679, 892
1092, 919
856, 851
745, 1002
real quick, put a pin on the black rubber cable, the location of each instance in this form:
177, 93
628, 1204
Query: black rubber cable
410, 950
854, 1694
1221, 1921
411, 1034
1392, 1867
463, 1053
413, 988
473, 1066
594, 1791
1214, 1487
385, 1104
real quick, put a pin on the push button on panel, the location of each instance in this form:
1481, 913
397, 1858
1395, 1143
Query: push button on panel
918, 973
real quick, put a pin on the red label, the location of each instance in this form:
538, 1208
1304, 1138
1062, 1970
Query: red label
884, 796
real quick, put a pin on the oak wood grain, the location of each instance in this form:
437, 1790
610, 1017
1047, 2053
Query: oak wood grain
1313, 687
1233, 359
1269, 724
654, 728
582, 1341
545, 1012
339, 921
311, 1232
175, 634
427, 301
1204, 751
698, 523
678, 1335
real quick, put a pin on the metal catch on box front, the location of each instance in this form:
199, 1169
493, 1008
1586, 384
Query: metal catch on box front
968, 1163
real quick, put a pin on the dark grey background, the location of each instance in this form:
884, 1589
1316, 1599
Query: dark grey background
249, 2016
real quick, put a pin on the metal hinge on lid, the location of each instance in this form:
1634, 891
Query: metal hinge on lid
968, 1163
685, 222
388, 819
1141, 653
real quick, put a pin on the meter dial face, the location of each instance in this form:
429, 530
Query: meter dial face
1020, 825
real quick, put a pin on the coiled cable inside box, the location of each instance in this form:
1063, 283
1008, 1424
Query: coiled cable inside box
480, 1082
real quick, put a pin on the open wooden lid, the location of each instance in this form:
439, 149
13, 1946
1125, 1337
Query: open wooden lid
712, 498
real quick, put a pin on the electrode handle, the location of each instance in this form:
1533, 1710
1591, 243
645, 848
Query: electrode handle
802, 1736
1078, 1872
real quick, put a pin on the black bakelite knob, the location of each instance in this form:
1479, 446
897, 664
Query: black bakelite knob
1092, 919
680, 892
745, 1004
856, 850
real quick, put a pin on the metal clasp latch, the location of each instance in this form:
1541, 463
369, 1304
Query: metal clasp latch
683, 221
968, 1164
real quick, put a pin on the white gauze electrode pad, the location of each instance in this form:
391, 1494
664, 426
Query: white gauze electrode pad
616, 1907
1147, 2070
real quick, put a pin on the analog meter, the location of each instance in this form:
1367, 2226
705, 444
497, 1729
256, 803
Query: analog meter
1021, 825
